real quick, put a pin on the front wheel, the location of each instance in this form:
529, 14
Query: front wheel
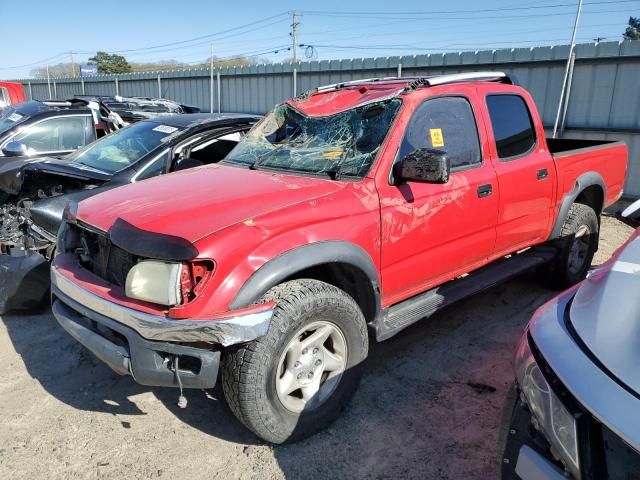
578, 243
297, 379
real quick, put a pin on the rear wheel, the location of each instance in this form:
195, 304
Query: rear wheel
297, 379
578, 243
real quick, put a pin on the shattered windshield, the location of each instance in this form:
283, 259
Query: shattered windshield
123, 148
344, 144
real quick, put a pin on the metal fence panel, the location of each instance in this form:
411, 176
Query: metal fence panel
604, 94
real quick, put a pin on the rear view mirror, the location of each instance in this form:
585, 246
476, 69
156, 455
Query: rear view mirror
423, 165
14, 149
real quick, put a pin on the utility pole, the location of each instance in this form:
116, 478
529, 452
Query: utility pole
211, 81
561, 102
49, 81
73, 65
294, 35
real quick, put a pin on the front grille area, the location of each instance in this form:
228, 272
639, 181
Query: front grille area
623, 462
98, 255
603, 454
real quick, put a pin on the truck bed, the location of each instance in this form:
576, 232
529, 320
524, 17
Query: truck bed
606, 158
567, 146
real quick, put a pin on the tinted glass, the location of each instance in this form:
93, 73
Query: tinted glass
157, 167
512, 126
54, 135
125, 147
444, 124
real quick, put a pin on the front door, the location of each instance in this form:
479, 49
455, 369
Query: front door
432, 233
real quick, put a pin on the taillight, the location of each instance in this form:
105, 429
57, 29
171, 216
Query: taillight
193, 277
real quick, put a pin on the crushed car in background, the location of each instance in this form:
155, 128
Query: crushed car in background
40, 190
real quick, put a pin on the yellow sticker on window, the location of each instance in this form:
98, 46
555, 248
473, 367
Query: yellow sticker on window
437, 140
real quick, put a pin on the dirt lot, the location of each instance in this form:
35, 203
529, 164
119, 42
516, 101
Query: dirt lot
65, 415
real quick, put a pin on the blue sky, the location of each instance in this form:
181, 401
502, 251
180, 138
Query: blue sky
39, 30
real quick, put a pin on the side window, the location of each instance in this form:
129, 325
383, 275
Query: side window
4, 98
448, 124
155, 168
54, 135
512, 125
215, 149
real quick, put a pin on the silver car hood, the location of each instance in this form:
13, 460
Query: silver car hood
605, 314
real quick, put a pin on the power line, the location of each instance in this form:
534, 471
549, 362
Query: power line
476, 18
209, 36
182, 42
39, 62
441, 12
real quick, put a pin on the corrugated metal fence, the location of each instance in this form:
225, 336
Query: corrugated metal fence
604, 103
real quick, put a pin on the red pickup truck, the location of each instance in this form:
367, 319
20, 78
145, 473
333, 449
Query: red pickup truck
345, 215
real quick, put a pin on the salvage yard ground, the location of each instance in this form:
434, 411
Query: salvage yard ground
430, 405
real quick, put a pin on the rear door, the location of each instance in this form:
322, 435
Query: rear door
525, 170
432, 233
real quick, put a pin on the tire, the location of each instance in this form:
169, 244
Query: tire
254, 375
577, 248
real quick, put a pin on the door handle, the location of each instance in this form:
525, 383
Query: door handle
485, 190
542, 174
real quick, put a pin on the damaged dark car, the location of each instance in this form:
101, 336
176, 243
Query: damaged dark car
55, 128
39, 191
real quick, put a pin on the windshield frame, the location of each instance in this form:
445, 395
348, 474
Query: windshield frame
342, 176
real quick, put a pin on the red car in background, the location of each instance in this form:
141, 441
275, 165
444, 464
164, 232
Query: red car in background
10, 94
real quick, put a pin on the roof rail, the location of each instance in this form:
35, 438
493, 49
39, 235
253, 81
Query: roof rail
430, 81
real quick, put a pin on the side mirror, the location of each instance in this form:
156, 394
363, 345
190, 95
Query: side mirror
631, 215
14, 149
423, 165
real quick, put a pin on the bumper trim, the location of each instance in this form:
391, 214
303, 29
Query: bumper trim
225, 331
148, 362
533, 466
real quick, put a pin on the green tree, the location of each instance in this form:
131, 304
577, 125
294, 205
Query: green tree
110, 63
633, 30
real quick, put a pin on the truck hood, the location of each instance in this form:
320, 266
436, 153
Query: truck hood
194, 203
605, 314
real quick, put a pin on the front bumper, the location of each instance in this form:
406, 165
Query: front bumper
148, 347
227, 330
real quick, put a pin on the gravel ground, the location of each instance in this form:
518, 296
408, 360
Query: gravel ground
65, 415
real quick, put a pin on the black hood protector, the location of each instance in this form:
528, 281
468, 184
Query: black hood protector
65, 168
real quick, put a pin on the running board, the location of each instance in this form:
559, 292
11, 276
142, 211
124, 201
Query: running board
401, 315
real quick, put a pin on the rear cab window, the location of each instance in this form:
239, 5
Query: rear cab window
512, 126
448, 124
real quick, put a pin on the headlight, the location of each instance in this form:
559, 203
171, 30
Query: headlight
554, 419
155, 281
